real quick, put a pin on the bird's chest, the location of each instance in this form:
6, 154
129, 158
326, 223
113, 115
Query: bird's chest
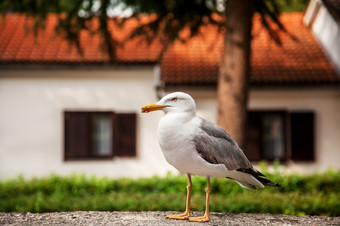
174, 136
176, 141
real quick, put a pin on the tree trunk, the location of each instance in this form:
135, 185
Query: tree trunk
235, 69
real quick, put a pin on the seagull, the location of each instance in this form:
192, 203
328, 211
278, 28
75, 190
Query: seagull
195, 146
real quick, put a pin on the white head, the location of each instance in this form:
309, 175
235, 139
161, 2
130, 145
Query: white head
177, 102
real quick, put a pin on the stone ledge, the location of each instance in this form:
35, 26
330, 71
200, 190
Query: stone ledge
156, 218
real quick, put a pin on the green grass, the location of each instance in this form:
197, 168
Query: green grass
317, 194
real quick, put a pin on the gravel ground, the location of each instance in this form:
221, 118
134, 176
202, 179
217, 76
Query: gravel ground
156, 218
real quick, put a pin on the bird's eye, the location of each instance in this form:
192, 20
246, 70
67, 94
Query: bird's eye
174, 99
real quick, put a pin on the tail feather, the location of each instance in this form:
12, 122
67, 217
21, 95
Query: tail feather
259, 176
246, 185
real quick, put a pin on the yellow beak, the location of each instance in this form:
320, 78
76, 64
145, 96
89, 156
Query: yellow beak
152, 107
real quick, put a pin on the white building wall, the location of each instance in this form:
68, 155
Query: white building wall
310, 11
31, 120
327, 31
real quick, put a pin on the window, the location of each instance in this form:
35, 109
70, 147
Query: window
280, 135
99, 135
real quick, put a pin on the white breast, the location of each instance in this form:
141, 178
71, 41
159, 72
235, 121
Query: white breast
174, 132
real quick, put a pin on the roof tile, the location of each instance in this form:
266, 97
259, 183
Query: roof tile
19, 44
297, 61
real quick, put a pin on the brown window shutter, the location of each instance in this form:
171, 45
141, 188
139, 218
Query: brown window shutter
76, 135
125, 135
302, 136
253, 144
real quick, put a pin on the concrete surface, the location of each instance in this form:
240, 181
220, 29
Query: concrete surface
156, 218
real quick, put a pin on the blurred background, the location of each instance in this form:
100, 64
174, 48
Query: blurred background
74, 75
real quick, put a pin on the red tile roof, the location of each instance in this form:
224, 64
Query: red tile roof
300, 61
295, 62
195, 62
18, 44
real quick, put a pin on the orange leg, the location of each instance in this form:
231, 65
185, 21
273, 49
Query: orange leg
205, 217
187, 212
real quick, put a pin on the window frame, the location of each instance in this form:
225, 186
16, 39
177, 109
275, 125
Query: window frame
258, 115
88, 145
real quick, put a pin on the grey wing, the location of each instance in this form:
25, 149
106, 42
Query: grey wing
216, 146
